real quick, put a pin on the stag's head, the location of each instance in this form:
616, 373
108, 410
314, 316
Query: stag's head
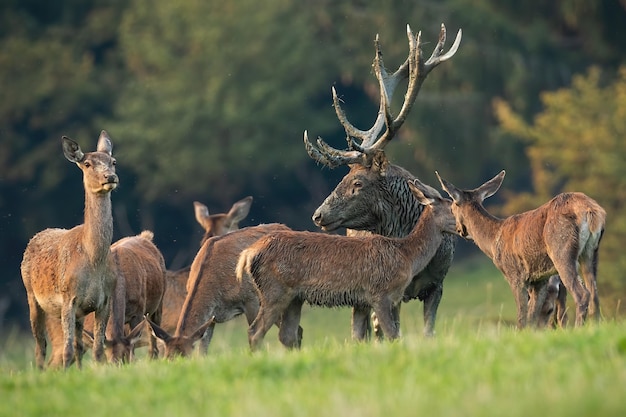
467, 201
98, 167
352, 203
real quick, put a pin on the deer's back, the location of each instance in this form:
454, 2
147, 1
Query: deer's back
527, 239
325, 269
142, 266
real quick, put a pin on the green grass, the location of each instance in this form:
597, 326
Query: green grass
477, 365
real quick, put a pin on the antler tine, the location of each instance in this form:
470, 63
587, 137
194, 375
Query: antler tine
387, 84
411, 66
436, 58
329, 156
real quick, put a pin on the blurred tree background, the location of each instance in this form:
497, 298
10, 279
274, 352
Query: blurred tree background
208, 101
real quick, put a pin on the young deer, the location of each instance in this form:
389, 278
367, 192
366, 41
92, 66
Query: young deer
214, 295
557, 237
214, 225
373, 179
291, 267
139, 292
69, 273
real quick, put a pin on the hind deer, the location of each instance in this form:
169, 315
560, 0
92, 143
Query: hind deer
138, 292
176, 281
373, 179
559, 237
69, 273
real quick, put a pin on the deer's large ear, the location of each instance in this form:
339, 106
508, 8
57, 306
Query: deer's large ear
419, 194
449, 188
158, 332
202, 213
240, 210
491, 187
198, 334
72, 151
380, 162
104, 143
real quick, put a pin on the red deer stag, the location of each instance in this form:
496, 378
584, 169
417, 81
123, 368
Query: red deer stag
214, 225
291, 267
69, 273
139, 292
372, 179
214, 295
528, 248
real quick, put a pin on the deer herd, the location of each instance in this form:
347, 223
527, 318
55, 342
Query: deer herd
400, 243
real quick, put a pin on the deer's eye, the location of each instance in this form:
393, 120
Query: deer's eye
358, 184
87, 164
114, 161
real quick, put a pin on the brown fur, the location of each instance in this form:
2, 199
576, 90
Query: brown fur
530, 247
69, 273
290, 268
138, 292
176, 281
372, 179
214, 295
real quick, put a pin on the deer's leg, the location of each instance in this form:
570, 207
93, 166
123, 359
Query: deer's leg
537, 296
361, 328
38, 327
588, 269
101, 317
153, 345
289, 333
205, 341
79, 348
68, 324
561, 307
569, 278
520, 292
384, 311
431, 304
270, 313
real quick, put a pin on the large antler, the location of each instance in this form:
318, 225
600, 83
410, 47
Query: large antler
363, 143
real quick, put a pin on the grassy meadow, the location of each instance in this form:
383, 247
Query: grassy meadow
477, 365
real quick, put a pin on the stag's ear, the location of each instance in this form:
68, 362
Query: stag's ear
490, 187
240, 210
379, 162
104, 143
449, 188
72, 151
419, 194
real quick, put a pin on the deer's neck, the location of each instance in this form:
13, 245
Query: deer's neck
484, 229
98, 231
398, 210
423, 241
